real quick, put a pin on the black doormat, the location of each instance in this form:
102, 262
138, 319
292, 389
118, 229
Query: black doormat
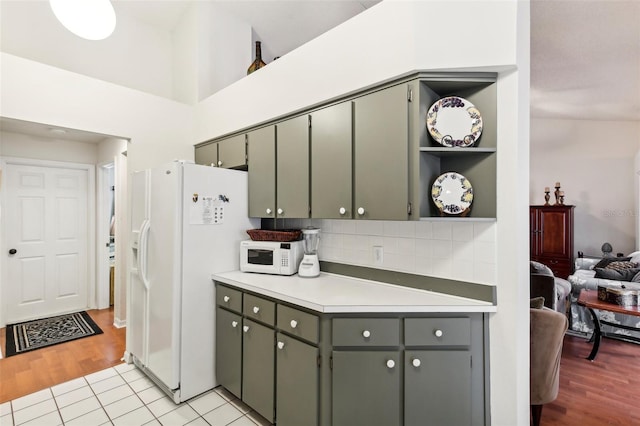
30, 335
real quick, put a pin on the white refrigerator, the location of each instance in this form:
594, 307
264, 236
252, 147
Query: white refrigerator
187, 222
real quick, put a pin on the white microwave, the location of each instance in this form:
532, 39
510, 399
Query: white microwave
270, 257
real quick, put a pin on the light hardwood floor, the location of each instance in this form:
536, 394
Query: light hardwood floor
42, 368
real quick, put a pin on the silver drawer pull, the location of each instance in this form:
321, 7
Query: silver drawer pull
391, 363
342, 211
256, 309
361, 211
234, 324
226, 299
280, 345
366, 334
438, 333
280, 211
268, 211
245, 328
293, 323
416, 362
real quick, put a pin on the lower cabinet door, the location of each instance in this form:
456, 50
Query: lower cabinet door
229, 350
366, 388
297, 375
437, 388
258, 364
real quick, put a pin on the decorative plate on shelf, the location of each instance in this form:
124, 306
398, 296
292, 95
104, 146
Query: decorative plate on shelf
452, 193
454, 122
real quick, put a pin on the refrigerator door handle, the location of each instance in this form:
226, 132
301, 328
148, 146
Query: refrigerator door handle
142, 252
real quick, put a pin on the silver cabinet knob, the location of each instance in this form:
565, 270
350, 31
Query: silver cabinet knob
256, 309
245, 328
416, 362
280, 211
438, 333
219, 163
280, 345
342, 211
366, 334
360, 211
268, 211
226, 299
234, 324
391, 363
293, 323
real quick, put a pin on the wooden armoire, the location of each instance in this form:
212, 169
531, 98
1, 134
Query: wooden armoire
551, 238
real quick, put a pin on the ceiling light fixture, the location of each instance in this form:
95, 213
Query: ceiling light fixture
89, 19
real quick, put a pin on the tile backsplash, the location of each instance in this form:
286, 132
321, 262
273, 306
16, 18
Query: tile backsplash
446, 249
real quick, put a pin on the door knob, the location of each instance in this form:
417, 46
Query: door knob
13, 251
280, 211
360, 211
219, 163
342, 211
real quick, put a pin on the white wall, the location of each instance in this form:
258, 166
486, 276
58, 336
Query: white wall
26, 146
594, 163
110, 148
136, 55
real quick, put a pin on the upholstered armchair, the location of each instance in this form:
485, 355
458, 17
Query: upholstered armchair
547, 328
554, 290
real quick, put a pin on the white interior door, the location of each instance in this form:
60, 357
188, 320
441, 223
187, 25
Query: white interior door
46, 222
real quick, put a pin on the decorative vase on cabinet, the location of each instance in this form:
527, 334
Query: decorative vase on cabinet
258, 62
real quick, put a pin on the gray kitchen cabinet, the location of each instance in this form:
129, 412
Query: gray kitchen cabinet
302, 367
478, 162
229, 350
292, 165
232, 152
366, 388
297, 382
207, 155
331, 162
258, 368
262, 172
437, 388
381, 155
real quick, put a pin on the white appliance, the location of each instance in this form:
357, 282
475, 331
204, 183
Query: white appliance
187, 222
270, 257
310, 266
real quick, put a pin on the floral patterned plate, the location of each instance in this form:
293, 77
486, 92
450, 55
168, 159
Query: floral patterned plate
452, 193
454, 122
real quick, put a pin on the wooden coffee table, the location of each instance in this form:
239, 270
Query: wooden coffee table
589, 299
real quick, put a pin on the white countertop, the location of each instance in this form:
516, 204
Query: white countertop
331, 293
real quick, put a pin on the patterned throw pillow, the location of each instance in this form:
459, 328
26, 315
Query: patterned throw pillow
620, 265
607, 260
616, 274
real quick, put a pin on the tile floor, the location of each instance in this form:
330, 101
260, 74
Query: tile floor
123, 396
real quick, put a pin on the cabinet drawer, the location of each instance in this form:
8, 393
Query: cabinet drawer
229, 298
437, 332
259, 309
366, 332
298, 323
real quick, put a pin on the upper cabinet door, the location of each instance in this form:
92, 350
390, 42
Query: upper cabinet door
331, 162
232, 152
207, 155
262, 172
381, 144
293, 168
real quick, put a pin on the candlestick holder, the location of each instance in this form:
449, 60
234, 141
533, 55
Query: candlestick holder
547, 197
556, 193
561, 200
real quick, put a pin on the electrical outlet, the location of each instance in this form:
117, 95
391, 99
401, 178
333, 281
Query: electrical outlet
378, 255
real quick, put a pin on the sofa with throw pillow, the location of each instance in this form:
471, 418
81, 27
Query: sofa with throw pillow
610, 272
